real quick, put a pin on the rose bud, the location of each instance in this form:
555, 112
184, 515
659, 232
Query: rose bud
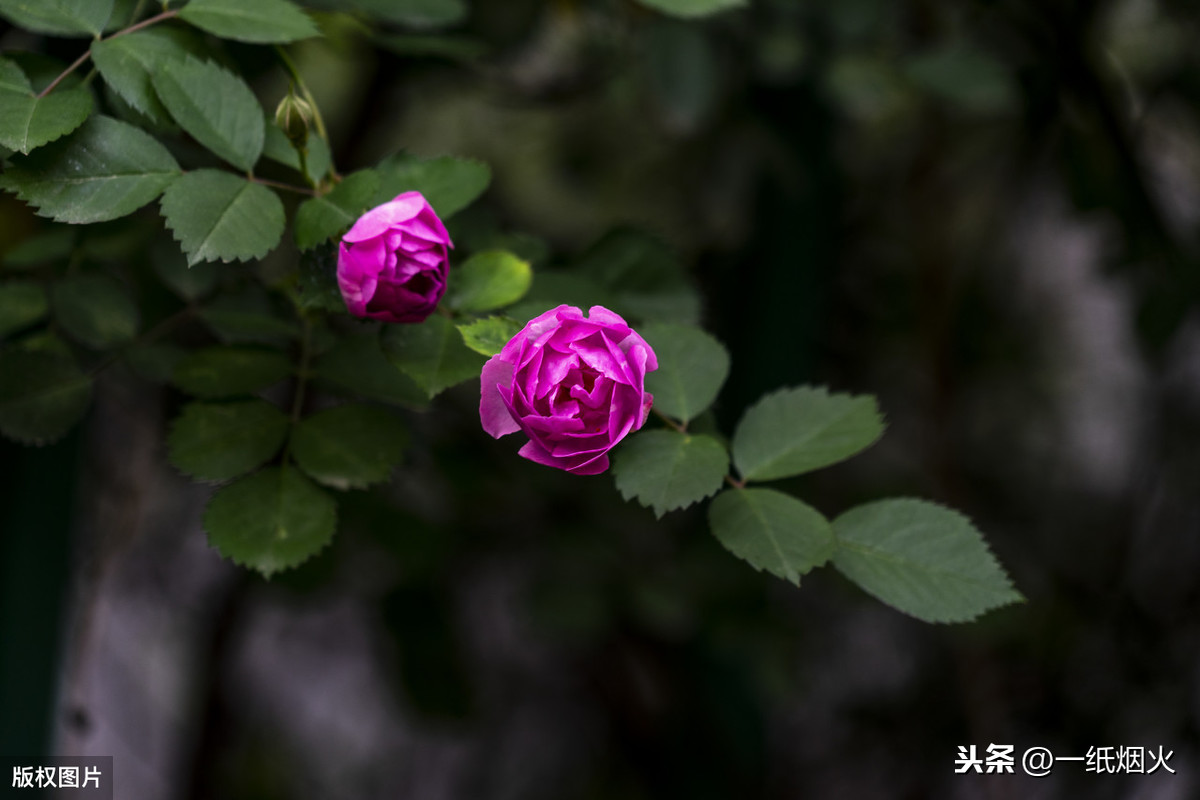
392, 264
574, 385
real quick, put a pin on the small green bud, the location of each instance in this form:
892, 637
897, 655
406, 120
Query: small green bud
293, 116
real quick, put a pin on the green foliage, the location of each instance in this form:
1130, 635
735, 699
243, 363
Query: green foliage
431, 353
356, 363
317, 160
259, 21
489, 335
219, 216
792, 431
22, 303
96, 310
105, 170
228, 371
28, 121
128, 63
271, 520
216, 107
52, 245
423, 13
190, 283
449, 184
964, 76
666, 470
349, 447
219, 441
488, 281
249, 316
42, 395
59, 17
772, 531
693, 8
316, 284
692, 368
921, 558
323, 217
644, 277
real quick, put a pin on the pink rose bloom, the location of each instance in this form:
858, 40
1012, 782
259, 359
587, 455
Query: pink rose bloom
392, 264
574, 385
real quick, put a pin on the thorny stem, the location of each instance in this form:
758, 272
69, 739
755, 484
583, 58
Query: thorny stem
734, 482
287, 186
87, 54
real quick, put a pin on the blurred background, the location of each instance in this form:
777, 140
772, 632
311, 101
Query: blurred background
985, 212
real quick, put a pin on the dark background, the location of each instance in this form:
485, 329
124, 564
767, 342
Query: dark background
985, 213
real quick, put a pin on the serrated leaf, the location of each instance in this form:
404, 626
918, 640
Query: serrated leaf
431, 353
349, 447
105, 170
217, 216
42, 395
95, 310
421, 13
690, 9
219, 441
260, 21
357, 364
128, 63
771, 531
277, 147
28, 121
792, 431
921, 558
249, 316
449, 184
489, 335
228, 371
271, 520
22, 303
692, 367
59, 17
214, 106
323, 217
666, 470
487, 281
316, 284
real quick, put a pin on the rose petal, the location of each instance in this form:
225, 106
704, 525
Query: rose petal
379, 219
493, 412
582, 465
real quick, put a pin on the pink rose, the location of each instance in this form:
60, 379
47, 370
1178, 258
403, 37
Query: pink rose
574, 385
392, 264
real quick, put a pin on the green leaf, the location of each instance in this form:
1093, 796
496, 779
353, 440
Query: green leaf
431, 353
489, 335
55, 244
487, 281
42, 395
59, 17
421, 13
644, 275
349, 447
791, 431
323, 217
105, 170
189, 282
666, 470
129, 62
555, 288
214, 106
449, 184
966, 77
248, 317
219, 441
271, 520
277, 147
316, 282
28, 121
216, 215
228, 371
771, 531
692, 367
357, 364
153, 361
921, 558
693, 8
259, 21
22, 303
95, 310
